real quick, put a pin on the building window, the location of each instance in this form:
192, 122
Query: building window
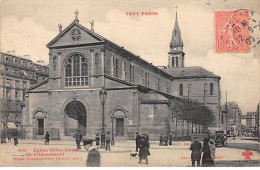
17, 83
168, 88
8, 93
76, 70
16, 94
123, 72
24, 84
147, 79
130, 73
222, 119
189, 90
211, 88
6, 58
142, 79
181, 89
173, 61
133, 74
177, 61
113, 67
117, 69
158, 81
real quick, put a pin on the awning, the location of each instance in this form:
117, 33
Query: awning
11, 125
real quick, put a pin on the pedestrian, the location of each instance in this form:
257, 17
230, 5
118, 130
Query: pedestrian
161, 140
93, 159
97, 139
47, 138
108, 141
9, 137
144, 149
212, 149
206, 158
137, 141
78, 138
170, 138
166, 139
195, 152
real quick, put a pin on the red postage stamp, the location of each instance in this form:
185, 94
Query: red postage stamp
232, 31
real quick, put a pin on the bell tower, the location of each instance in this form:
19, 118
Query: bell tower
176, 54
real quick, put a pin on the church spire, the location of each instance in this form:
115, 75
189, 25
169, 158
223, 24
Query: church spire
176, 54
176, 35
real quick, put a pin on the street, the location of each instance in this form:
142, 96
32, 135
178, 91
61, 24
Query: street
63, 153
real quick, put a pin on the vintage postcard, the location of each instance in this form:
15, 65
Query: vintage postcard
129, 83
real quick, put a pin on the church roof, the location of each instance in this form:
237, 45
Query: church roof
153, 96
176, 36
190, 72
102, 39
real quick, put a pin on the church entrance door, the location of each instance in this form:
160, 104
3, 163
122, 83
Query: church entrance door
119, 126
75, 118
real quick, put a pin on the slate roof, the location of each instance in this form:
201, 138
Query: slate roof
176, 36
190, 72
153, 96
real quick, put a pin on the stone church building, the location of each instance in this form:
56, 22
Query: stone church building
82, 63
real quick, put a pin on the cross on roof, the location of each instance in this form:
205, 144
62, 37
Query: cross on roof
176, 10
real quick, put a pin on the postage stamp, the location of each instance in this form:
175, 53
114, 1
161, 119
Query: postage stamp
232, 31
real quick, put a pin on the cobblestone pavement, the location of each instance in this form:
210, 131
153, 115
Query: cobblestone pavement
64, 153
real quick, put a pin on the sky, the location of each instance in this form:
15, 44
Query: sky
28, 25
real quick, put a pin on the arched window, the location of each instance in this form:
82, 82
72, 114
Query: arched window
117, 69
211, 88
76, 70
181, 89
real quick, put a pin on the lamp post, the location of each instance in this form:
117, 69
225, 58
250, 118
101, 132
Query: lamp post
103, 96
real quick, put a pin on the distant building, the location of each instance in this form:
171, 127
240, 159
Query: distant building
231, 118
251, 123
16, 75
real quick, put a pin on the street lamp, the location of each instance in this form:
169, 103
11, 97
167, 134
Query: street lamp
103, 96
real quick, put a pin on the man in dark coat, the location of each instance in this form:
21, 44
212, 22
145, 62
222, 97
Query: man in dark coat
170, 138
137, 141
166, 139
97, 140
108, 141
161, 140
195, 152
47, 138
78, 138
144, 149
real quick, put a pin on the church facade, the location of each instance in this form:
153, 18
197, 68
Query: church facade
82, 64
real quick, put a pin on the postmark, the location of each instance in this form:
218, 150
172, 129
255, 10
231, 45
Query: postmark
232, 31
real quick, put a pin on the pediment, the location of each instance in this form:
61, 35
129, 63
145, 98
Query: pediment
75, 34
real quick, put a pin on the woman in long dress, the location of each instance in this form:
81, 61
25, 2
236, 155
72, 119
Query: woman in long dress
212, 149
206, 158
